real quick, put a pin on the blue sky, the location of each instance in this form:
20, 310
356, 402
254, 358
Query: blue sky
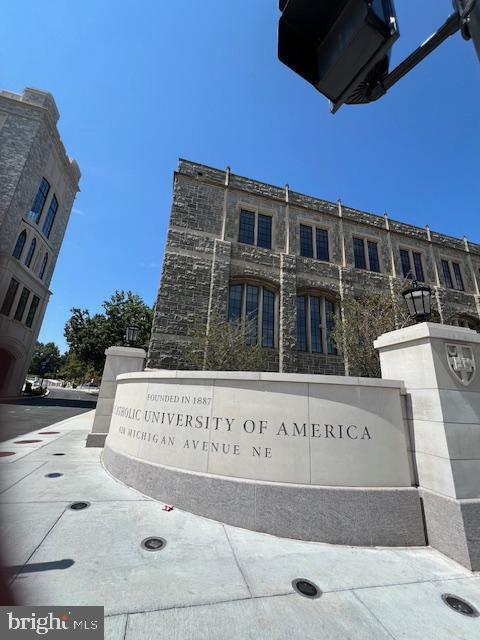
140, 84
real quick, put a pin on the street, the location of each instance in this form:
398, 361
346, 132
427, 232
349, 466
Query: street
28, 414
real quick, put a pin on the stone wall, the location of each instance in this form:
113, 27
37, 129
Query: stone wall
203, 255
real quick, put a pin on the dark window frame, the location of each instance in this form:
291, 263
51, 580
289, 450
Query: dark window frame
32, 311
9, 298
50, 217
22, 304
265, 310
316, 315
20, 244
30, 253
39, 201
255, 228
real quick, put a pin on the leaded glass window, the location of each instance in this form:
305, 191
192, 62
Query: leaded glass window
322, 245
18, 250
458, 276
41, 273
39, 201
359, 253
22, 303
446, 274
264, 235
52, 212
253, 306
306, 241
302, 323
9, 297
247, 227
373, 256
405, 261
417, 262
31, 251
315, 324
32, 311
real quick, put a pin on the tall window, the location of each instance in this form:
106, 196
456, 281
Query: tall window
256, 305
39, 201
18, 250
43, 266
458, 276
32, 311
365, 254
406, 259
22, 303
255, 229
306, 241
9, 297
315, 322
52, 212
447, 276
310, 249
323, 252
417, 263
31, 251
264, 238
359, 253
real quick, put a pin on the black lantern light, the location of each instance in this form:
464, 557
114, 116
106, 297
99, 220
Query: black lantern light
131, 335
419, 301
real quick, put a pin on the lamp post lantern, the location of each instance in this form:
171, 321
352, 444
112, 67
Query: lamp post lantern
419, 301
131, 334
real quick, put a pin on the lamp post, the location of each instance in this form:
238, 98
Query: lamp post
131, 335
419, 301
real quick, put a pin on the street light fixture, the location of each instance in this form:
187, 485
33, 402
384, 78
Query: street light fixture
419, 301
131, 335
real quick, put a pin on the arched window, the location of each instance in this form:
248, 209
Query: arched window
50, 217
31, 251
315, 321
41, 273
39, 202
256, 304
22, 238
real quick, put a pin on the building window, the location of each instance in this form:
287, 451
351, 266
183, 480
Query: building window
452, 267
39, 202
32, 311
315, 322
9, 297
417, 263
318, 249
406, 259
22, 303
458, 276
41, 273
373, 260
255, 229
256, 305
31, 251
364, 250
306, 241
447, 275
18, 250
52, 212
264, 238
323, 252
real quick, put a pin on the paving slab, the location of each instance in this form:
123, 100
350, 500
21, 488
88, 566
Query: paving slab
114, 627
269, 564
196, 566
335, 616
14, 473
417, 612
76, 483
22, 530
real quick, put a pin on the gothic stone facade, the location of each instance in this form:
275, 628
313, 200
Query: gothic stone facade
204, 258
38, 184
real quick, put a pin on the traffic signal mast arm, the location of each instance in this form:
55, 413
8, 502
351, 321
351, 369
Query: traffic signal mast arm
451, 26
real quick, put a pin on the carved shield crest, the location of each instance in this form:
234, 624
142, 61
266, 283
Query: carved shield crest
461, 362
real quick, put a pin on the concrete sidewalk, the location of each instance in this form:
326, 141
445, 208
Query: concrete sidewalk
210, 581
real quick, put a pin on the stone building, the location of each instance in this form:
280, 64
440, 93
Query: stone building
38, 184
237, 247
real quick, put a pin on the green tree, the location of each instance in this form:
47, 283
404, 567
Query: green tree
73, 369
88, 336
224, 348
45, 354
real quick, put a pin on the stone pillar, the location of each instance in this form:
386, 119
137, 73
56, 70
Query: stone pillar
119, 360
438, 364
288, 314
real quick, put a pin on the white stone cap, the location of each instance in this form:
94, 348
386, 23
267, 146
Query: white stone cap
425, 331
126, 352
305, 378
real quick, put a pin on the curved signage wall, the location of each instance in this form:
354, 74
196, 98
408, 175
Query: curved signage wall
335, 448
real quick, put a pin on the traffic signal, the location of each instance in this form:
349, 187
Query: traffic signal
342, 47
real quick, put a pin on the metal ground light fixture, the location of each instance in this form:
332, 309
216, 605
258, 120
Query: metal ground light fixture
131, 335
419, 301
